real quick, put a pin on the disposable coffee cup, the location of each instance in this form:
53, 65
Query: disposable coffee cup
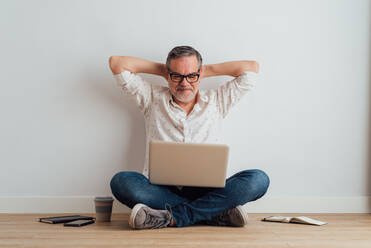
103, 208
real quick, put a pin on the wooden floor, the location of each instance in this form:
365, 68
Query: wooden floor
342, 230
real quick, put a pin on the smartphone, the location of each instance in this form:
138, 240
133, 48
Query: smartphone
79, 222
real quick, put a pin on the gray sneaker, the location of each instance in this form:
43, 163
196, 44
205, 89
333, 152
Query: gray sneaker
144, 217
232, 217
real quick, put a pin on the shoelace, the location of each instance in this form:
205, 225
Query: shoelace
224, 217
156, 221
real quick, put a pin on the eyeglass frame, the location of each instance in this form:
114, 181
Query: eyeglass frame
184, 76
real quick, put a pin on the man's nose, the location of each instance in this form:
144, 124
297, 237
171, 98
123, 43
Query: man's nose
184, 82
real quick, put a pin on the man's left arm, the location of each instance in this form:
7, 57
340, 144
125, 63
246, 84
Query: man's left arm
228, 94
231, 68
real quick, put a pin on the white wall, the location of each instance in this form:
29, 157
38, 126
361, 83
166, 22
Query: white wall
66, 128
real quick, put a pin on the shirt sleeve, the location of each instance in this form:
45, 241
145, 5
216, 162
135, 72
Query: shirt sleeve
139, 90
227, 95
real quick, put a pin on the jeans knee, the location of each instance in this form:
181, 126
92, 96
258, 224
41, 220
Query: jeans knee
122, 180
258, 180
262, 179
115, 181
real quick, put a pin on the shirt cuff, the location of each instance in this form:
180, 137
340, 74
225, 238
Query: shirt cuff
126, 75
248, 77
250, 73
123, 77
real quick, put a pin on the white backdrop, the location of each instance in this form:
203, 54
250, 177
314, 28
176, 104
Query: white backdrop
66, 128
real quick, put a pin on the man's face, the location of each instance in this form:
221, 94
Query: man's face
184, 91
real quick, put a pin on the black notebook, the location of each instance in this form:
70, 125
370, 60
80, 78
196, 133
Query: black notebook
64, 219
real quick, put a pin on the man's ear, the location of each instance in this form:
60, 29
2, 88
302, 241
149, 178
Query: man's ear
166, 73
202, 70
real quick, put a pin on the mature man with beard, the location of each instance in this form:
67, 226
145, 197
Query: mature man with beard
183, 113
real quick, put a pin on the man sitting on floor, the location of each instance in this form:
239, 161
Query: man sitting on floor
183, 113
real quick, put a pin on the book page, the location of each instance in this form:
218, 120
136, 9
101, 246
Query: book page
306, 220
298, 219
278, 219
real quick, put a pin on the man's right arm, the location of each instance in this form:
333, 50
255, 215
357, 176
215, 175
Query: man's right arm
136, 65
133, 85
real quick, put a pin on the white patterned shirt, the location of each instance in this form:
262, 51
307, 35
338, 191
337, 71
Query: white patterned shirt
165, 120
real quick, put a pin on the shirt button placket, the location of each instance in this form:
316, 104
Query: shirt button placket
185, 132
185, 128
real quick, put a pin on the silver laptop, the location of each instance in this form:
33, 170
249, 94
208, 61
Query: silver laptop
187, 164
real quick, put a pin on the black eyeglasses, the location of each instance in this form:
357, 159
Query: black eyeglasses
191, 78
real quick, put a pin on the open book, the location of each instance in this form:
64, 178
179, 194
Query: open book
298, 219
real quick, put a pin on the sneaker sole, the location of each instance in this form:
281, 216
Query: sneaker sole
243, 213
133, 214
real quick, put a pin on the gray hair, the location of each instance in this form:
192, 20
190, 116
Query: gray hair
181, 51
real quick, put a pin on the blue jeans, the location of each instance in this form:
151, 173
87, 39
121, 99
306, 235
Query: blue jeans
190, 205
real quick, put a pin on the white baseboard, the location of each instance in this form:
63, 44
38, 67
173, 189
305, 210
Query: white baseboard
85, 204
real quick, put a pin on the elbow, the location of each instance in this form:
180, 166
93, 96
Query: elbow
111, 60
248, 65
118, 64
252, 66
113, 64
256, 67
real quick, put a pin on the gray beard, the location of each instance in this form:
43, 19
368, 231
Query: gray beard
185, 100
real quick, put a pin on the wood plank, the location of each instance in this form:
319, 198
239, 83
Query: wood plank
342, 230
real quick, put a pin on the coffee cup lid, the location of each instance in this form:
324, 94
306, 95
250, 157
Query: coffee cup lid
104, 198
